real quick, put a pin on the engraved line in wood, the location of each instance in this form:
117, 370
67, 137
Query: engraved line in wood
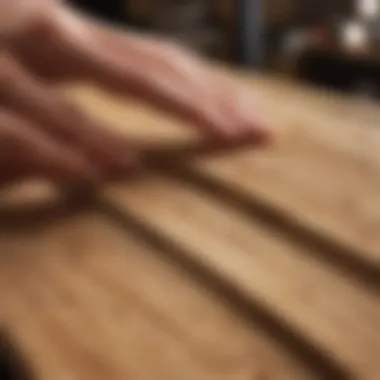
246, 306
349, 259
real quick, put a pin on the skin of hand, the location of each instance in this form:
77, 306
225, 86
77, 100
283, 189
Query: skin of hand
44, 134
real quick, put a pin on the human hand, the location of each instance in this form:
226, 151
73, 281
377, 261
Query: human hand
43, 134
48, 41
167, 76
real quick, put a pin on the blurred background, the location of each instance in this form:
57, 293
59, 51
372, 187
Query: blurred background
333, 43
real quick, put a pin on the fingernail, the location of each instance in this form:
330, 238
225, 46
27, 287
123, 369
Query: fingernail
255, 124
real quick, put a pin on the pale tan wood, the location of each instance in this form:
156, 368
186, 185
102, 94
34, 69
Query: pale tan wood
85, 300
329, 309
130, 118
325, 170
324, 167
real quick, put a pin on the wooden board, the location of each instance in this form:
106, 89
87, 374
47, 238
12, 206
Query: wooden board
245, 265
331, 310
322, 172
84, 298
311, 204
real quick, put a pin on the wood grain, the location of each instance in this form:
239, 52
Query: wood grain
324, 167
329, 310
325, 171
258, 264
84, 299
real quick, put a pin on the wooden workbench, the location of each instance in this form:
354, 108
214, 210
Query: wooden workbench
240, 265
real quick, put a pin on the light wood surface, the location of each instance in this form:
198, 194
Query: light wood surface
88, 300
243, 265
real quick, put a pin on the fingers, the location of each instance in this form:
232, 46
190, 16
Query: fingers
133, 69
61, 120
165, 76
25, 152
244, 110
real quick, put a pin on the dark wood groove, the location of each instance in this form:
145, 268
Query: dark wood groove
151, 152
252, 309
20, 219
245, 306
169, 159
348, 261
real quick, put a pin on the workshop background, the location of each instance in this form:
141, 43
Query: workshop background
334, 43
